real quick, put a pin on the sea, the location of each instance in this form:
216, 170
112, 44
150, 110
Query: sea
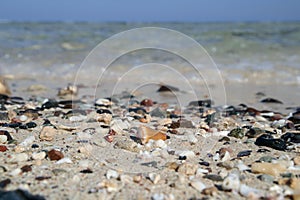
108, 58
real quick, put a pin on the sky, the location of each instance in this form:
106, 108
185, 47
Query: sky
150, 11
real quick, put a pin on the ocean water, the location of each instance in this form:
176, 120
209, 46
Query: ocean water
57, 53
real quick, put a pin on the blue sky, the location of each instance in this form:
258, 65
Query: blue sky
151, 10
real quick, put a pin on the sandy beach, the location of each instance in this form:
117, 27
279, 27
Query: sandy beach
67, 133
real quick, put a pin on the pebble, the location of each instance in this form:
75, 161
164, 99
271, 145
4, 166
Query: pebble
147, 102
112, 174
155, 178
55, 154
198, 185
48, 133
158, 196
237, 133
3, 139
273, 169
20, 157
269, 141
3, 148
241, 166
188, 154
266, 178
16, 172
210, 191
64, 160
244, 153
187, 168
246, 191
231, 182
213, 177
38, 156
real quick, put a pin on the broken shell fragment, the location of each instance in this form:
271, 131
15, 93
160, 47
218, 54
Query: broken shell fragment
145, 134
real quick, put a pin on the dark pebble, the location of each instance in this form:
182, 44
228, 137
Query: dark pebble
31, 125
224, 139
237, 133
183, 123
269, 141
26, 168
263, 150
213, 177
147, 102
50, 104
182, 158
266, 178
271, 100
266, 159
244, 153
157, 112
16, 100
86, 171
4, 183
137, 110
3, 148
34, 146
4, 116
201, 103
254, 132
204, 163
167, 88
291, 137
55, 154
41, 178
19, 195
104, 111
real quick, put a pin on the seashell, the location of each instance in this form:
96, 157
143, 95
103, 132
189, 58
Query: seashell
145, 134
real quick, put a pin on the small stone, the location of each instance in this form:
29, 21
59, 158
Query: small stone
48, 133
55, 154
237, 133
188, 154
105, 118
4, 183
271, 100
145, 134
111, 185
266, 159
112, 174
38, 156
64, 160
23, 118
21, 157
26, 168
209, 191
3, 148
266, 178
231, 182
198, 185
86, 171
244, 153
3, 139
155, 178
158, 196
273, 169
158, 112
213, 177
269, 141
16, 172
147, 102
187, 168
